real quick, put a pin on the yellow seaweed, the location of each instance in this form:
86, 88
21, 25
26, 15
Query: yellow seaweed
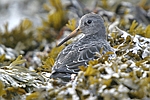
2, 58
18, 61
2, 91
71, 24
132, 27
33, 96
90, 71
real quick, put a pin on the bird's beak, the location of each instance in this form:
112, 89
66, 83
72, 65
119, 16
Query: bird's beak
72, 34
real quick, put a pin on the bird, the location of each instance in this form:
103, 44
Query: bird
80, 52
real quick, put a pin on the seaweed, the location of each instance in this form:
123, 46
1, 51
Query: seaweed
51, 26
28, 53
21, 34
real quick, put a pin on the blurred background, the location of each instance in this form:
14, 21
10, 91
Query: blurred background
13, 11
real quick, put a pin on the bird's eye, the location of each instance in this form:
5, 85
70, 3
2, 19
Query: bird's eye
89, 21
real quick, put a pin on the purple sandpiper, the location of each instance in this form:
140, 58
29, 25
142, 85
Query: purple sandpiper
83, 50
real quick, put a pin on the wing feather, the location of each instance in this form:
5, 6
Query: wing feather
70, 59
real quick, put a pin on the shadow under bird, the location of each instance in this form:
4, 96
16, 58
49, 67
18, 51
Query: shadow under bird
83, 50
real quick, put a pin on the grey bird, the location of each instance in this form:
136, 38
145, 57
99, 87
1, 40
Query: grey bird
83, 50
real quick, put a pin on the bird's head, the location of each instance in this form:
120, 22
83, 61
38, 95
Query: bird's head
89, 24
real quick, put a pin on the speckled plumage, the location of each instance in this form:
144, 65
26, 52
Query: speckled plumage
83, 50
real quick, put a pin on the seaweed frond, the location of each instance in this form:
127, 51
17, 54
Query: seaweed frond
57, 17
139, 29
133, 27
18, 61
2, 58
2, 90
71, 24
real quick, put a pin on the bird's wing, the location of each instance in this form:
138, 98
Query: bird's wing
69, 60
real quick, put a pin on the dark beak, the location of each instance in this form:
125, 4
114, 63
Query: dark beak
72, 34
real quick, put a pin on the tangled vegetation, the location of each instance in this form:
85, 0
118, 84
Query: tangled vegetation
27, 55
